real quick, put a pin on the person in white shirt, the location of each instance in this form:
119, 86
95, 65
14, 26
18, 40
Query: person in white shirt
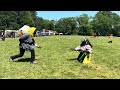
84, 48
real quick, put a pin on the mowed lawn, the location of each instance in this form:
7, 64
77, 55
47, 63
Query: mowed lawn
54, 59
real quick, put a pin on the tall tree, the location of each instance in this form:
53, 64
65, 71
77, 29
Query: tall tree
84, 24
104, 21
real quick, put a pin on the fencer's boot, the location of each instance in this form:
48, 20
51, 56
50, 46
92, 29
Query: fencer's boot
34, 61
10, 59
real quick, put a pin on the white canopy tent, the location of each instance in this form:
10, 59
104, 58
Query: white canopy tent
24, 28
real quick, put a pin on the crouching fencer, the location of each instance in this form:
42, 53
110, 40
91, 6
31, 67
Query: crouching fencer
27, 43
85, 49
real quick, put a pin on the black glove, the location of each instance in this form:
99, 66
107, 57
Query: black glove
87, 51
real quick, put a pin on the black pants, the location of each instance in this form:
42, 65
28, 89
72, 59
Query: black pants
22, 51
3, 38
81, 53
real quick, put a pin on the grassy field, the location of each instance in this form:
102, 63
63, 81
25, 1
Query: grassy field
54, 59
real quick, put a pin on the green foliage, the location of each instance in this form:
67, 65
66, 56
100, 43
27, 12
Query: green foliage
85, 26
15, 19
104, 22
67, 25
25, 18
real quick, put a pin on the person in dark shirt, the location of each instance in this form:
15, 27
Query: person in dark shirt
3, 35
27, 43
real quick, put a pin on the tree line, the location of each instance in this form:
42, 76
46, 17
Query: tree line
104, 22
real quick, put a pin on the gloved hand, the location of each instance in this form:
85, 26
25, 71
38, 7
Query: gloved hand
39, 47
87, 51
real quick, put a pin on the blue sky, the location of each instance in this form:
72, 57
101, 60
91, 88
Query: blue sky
56, 15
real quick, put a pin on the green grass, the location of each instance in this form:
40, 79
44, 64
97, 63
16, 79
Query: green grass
54, 59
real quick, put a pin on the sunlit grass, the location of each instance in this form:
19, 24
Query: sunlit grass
54, 59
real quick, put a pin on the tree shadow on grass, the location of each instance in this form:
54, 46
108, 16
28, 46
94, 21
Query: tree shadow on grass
72, 59
24, 60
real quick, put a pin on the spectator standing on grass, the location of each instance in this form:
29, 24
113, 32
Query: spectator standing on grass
3, 35
20, 33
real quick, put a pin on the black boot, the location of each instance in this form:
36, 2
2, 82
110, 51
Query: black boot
33, 61
10, 59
